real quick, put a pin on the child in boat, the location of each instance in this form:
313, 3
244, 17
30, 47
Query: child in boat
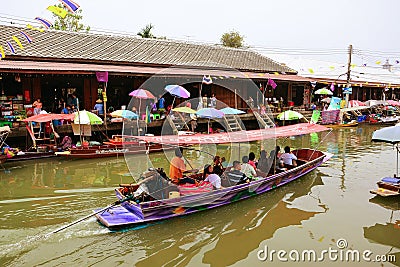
209, 176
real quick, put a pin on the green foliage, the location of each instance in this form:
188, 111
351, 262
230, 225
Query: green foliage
232, 39
71, 22
146, 31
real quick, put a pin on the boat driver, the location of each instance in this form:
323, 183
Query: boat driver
177, 166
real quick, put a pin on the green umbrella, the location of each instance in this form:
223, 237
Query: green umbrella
86, 117
323, 91
289, 115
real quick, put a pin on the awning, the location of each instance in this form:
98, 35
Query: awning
49, 117
41, 67
236, 137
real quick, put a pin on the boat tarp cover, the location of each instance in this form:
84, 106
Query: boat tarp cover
49, 117
236, 137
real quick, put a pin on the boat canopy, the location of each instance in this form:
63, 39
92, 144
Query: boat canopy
236, 137
50, 117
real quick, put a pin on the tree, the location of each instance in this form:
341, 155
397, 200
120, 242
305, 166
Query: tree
146, 31
232, 39
71, 22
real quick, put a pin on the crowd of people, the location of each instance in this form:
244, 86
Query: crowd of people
220, 175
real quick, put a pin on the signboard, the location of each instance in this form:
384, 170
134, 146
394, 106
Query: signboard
347, 90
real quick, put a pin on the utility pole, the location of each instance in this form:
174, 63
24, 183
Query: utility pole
348, 85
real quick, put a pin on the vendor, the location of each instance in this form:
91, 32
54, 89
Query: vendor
99, 107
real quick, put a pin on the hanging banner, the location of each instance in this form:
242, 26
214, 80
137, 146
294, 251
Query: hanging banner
347, 90
102, 76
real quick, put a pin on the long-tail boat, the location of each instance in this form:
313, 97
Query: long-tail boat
155, 198
117, 145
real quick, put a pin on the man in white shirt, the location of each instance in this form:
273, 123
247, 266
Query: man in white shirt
288, 158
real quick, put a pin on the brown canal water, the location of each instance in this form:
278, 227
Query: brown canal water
329, 212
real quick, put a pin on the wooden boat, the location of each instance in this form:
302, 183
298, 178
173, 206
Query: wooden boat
340, 125
43, 145
167, 200
388, 187
118, 145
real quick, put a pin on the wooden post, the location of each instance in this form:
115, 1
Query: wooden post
348, 74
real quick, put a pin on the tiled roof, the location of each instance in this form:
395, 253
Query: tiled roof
87, 47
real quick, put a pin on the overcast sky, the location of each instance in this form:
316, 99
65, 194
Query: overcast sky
305, 27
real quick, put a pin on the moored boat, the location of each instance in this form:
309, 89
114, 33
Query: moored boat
387, 187
118, 145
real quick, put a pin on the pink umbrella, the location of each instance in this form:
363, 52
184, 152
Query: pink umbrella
141, 94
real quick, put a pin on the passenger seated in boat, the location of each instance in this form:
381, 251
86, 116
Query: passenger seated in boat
252, 160
218, 169
224, 163
235, 176
211, 177
247, 169
288, 158
177, 166
264, 164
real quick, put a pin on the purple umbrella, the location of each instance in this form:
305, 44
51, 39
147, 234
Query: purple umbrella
177, 91
141, 94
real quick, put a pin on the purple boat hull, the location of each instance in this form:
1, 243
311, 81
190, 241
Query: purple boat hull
131, 213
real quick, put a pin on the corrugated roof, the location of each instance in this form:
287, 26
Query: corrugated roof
83, 47
90, 68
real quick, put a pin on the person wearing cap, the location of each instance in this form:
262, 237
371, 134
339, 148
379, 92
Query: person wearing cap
99, 107
193, 122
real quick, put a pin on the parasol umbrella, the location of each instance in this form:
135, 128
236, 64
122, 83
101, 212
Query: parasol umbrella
177, 91
141, 94
389, 135
289, 115
323, 91
209, 113
231, 111
126, 114
326, 100
86, 117
184, 110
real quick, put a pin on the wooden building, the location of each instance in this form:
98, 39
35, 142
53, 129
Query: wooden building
58, 63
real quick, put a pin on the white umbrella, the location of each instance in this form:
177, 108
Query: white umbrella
389, 135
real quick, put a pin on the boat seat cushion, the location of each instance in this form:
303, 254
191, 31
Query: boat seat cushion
189, 189
391, 180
